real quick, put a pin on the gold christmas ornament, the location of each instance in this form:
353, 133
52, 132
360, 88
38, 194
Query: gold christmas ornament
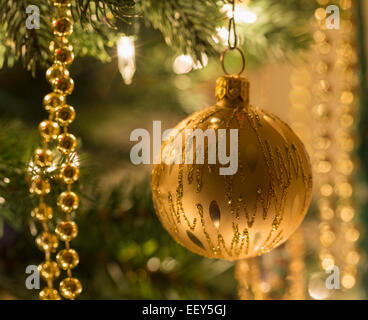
241, 215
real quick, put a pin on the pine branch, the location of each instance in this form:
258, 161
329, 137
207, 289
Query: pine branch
29, 46
187, 26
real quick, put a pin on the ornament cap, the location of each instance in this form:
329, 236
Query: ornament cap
232, 89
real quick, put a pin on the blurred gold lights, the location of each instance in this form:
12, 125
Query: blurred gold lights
328, 89
333, 143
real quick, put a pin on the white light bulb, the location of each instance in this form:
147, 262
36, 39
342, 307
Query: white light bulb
126, 56
242, 13
222, 35
183, 64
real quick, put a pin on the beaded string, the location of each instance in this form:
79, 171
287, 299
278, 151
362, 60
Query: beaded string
61, 115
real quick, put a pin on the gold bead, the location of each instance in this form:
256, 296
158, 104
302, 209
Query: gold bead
69, 173
65, 115
64, 55
70, 288
47, 242
49, 130
52, 101
42, 213
66, 230
61, 3
40, 186
63, 86
68, 201
62, 27
49, 294
67, 259
49, 270
42, 157
66, 143
56, 71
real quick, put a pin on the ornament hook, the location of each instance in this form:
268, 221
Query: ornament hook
232, 28
232, 45
222, 58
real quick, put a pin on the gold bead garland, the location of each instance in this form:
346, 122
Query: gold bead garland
60, 115
67, 201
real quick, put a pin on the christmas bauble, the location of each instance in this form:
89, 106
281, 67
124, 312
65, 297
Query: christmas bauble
242, 214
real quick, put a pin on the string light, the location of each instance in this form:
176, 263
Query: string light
250, 284
346, 113
333, 144
296, 271
126, 58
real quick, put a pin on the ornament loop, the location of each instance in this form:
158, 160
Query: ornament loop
222, 58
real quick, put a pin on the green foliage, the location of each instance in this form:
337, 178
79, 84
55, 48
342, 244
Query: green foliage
282, 29
187, 27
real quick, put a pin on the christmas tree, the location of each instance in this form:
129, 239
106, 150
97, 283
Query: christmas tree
167, 52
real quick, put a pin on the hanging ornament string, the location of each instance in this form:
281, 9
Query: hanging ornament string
232, 42
232, 28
